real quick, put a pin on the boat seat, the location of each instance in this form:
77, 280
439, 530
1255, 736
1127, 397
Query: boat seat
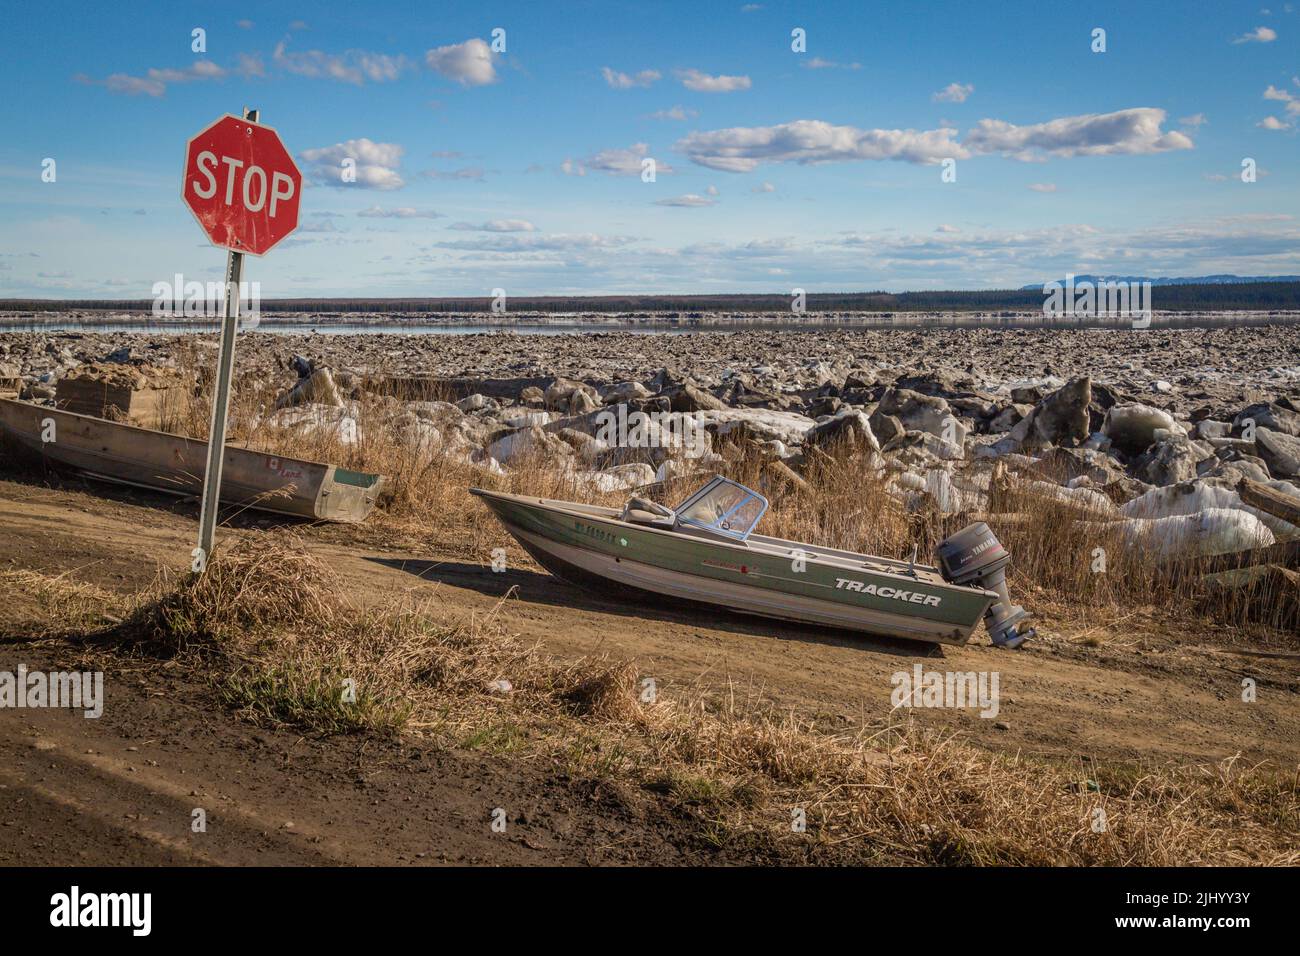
640, 510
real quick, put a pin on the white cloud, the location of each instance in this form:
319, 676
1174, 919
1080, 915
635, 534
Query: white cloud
1234, 176
1043, 187
741, 149
615, 162
400, 212
495, 225
954, 93
1183, 249
378, 67
764, 187
354, 66
1126, 132
469, 63
244, 24
1283, 96
154, 82
675, 113
474, 173
1257, 35
556, 242
1272, 122
376, 164
131, 85
1194, 121
201, 70
898, 260
704, 83
817, 63
625, 81
944, 227
249, 65
688, 199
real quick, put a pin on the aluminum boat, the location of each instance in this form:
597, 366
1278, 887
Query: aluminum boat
705, 551
125, 454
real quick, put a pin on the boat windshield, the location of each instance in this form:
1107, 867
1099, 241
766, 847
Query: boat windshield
724, 507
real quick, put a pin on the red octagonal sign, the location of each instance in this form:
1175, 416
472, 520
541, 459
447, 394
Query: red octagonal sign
242, 185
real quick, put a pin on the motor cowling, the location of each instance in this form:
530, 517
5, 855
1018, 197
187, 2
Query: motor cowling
974, 557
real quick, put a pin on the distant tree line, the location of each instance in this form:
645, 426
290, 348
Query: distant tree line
1244, 296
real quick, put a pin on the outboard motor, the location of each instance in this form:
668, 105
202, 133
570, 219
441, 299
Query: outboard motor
974, 557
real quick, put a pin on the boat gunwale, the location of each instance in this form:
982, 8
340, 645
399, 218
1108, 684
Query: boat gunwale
229, 446
312, 494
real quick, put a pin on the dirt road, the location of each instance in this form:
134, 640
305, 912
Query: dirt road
1145, 693
124, 789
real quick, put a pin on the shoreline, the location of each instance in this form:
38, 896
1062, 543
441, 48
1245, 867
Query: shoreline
549, 323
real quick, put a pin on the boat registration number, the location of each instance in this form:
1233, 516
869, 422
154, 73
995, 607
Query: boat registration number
599, 534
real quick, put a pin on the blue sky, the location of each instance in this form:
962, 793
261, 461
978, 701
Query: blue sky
775, 169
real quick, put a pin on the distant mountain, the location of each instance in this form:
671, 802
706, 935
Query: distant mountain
1177, 280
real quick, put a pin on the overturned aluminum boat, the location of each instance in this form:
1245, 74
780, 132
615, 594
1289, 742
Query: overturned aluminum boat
705, 551
125, 454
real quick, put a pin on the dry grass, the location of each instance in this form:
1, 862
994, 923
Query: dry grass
284, 644
1068, 558
38, 605
845, 505
426, 492
257, 586
914, 795
290, 646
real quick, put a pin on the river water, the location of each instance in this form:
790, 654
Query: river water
304, 328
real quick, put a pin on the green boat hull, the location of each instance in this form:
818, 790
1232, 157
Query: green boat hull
765, 576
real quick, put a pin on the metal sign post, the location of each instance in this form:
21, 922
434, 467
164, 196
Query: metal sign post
220, 405
220, 411
245, 191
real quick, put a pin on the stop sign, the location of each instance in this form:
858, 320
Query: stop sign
242, 185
